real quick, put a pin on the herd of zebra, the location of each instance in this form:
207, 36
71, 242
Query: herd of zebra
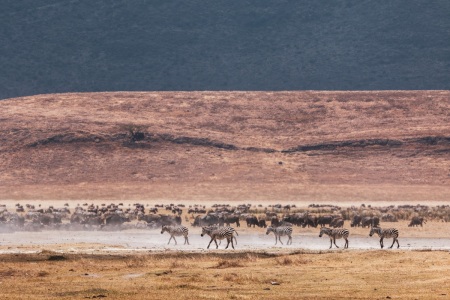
228, 233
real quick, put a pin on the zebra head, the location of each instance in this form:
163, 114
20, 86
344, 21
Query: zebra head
269, 230
374, 230
164, 228
206, 230
324, 230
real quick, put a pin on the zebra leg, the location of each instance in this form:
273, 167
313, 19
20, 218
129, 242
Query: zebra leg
235, 239
175, 240
170, 239
228, 243
276, 239
393, 242
331, 243
346, 243
212, 239
232, 245
186, 240
334, 241
279, 237
289, 240
381, 243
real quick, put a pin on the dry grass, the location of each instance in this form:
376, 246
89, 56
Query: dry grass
295, 260
341, 274
223, 264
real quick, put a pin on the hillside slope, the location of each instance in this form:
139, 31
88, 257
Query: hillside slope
314, 146
53, 46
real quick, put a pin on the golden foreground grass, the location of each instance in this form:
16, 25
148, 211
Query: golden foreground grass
228, 275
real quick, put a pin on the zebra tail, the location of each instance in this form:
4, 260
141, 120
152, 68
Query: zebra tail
236, 233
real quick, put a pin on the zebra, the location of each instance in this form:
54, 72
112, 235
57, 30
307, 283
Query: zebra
216, 226
177, 230
219, 234
279, 232
386, 233
335, 234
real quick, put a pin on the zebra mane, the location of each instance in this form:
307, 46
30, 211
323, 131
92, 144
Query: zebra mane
209, 228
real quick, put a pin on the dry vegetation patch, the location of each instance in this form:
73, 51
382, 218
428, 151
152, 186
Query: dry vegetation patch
244, 275
223, 264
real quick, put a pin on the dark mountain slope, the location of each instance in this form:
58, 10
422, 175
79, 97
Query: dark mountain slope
52, 46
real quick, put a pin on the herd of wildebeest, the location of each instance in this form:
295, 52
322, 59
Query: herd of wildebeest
33, 217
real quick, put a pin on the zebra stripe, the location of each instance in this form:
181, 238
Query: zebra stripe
389, 233
279, 232
216, 226
335, 234
177, 230
219, 234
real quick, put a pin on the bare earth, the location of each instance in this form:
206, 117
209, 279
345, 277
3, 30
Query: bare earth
341, 148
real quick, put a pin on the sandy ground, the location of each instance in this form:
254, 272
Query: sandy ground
434, 236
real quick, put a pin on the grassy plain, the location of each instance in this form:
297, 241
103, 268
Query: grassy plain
228, 275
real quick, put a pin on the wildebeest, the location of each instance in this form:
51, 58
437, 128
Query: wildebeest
92, 220
229, 219
206, 220
252, 221
262, 224
274, 222
49, 219
337, 222
370, 222
389, 218
324, 220
115, 220
356, 221
170, 220
310, 221
196, 210
296, 219
416, 221
149, 218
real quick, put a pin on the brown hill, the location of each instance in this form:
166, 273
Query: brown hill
218, 146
